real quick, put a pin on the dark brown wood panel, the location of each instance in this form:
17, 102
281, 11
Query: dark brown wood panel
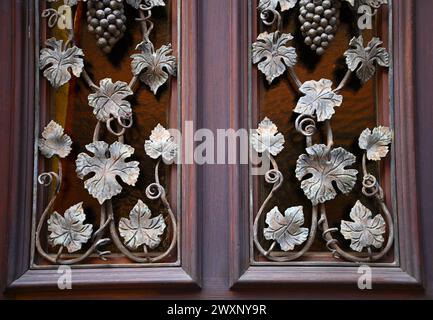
220, 90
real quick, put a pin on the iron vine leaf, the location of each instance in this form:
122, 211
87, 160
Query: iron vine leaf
365, 231
362, 59
69, 231
56, 62
141, 228
161, 144
54, 141
148, 3
108, 101
107, 163
285, 5
352, 2
267, 138
272, 55
376, 143
154, 68
70, 3
319, 99
374, 3
286, 229
325, 167
134, 3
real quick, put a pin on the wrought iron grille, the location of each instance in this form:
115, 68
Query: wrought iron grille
105, 167
325, 169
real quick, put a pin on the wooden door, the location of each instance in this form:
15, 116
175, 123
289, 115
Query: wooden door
215, 90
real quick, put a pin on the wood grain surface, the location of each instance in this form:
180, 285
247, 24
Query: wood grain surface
213, 94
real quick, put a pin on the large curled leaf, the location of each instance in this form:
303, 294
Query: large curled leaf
286, 230
108, 101
54, 141
267, 138
365, 231
107, 163
325, 167
161, 144
154, 67
376, 143
285, 5
141, 228
272, 55
69, 231
56, 62
362, 59
319, 99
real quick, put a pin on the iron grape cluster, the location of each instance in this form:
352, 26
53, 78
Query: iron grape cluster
106, 19
319, 22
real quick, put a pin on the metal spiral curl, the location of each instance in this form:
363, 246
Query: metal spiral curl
271, 17
52, 15
374, 13
144, 19
122, 124
102, 242
112, 131
371, 187
155, 191
375, 5
46, 179
149, 25
332, 242
147, 5
274, 176
306, 125
127, 125
102, 254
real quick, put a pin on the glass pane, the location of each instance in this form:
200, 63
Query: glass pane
277, 101
69, 107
